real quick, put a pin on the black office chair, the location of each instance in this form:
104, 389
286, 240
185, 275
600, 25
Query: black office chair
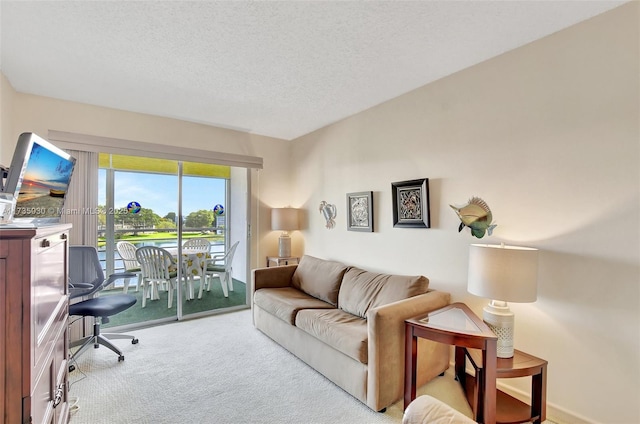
86, 278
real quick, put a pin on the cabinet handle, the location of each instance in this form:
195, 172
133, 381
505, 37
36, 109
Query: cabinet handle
57, 398
45, 243
63, 236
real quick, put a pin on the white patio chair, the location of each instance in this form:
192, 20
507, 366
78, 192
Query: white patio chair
197, 244
158, 266
195, 250
127, 252
221, 266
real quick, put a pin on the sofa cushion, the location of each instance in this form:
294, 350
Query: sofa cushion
342, 331
362, 290
285, 302
319, 278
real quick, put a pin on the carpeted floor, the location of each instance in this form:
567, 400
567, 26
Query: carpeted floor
217, 370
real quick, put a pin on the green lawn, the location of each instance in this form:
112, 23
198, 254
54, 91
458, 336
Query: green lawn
163, 236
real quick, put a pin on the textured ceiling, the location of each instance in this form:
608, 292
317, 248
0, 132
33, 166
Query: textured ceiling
275, 68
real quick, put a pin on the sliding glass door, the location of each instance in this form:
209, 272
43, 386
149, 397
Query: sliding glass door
164, 203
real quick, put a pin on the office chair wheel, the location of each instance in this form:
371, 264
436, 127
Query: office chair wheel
134, 341
120, 358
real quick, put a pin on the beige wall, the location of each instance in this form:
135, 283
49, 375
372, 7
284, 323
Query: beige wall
548, 135
7, 94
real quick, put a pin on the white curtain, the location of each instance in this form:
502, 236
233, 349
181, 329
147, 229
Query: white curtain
81, 203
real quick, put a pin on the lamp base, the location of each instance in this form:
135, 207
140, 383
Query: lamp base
284, 246
499, 318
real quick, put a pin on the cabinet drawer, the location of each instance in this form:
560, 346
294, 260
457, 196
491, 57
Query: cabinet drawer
48, 291
62, 377
49, 395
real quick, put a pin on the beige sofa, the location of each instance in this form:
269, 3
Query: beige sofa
348, 324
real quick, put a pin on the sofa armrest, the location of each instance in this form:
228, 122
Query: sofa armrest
386, 343
273, 277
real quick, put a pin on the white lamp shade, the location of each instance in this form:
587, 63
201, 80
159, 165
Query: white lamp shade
284, 219
506, 273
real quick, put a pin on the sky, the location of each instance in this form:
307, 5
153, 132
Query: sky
160, 192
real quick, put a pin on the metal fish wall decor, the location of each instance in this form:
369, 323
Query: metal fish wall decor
477, 216
329, 212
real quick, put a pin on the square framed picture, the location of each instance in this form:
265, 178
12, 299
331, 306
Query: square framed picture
360, 211
411, 203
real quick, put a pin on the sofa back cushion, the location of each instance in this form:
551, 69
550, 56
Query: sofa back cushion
319, 278
362, 290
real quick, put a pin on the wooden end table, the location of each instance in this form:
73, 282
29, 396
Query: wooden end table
508, 408
456, 325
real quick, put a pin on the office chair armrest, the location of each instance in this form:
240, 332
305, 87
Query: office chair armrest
117, 276
80, 286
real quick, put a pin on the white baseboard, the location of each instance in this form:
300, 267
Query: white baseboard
555, 413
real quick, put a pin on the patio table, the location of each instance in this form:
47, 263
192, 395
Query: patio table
194, 263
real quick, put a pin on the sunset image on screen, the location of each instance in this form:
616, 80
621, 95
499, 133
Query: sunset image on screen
44, 183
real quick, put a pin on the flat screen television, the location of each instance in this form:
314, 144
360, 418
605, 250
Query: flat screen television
38, 178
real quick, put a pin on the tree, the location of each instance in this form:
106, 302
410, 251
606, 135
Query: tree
145, 218
171, 216
102, 215
199, 219
165, 223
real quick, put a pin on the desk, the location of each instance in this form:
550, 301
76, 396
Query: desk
291, 260
508, 408
456, 325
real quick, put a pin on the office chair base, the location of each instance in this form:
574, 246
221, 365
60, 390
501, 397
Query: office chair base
98, 339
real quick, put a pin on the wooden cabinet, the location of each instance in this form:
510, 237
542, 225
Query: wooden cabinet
34, 307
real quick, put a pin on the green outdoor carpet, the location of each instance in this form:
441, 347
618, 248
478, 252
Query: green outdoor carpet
157, 309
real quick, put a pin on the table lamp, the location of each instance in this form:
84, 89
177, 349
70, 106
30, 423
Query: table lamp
502, 274
284, 219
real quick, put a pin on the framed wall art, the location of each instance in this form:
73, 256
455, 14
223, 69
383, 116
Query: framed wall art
411, 203
360, 211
